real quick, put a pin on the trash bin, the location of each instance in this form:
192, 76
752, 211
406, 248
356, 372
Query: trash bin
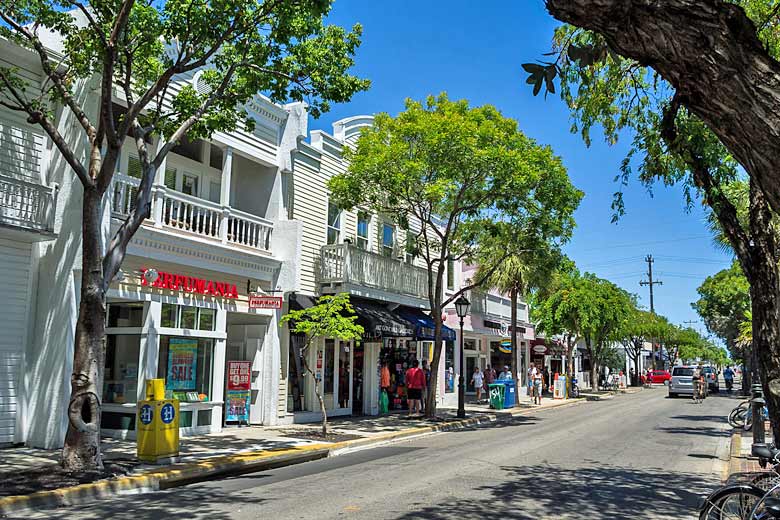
510, 392
497, 391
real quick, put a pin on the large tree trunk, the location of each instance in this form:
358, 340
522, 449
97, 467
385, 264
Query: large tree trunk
708, 50
765, 297
513, 336
81, 451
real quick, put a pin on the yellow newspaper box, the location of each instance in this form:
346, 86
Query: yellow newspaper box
158, 425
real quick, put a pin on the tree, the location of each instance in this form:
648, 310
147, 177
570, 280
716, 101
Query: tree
724, 304
652, 92
331, 317
719, 55
639, 328
138, 51
590, 308
461, 179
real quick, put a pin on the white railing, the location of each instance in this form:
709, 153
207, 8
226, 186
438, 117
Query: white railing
344, 263
185, 213
27, 205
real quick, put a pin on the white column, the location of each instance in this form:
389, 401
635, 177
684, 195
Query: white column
218, 381
224, 192
149, 355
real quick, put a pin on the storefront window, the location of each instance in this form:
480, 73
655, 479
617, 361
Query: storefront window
470, 344
187, 365
125, 314
449, 367
120, 384
328, 365
206, 319
169, 311
189, 317
501, 356
344, 369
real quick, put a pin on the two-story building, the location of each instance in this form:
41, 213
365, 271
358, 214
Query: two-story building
370, 258
486, 334
220, 229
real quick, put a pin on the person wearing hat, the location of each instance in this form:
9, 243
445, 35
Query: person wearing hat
506, 373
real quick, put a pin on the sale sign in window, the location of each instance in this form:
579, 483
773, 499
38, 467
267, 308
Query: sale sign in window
182, 364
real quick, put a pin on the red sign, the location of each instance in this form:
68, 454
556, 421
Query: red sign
239, 373
177, 282
265, 302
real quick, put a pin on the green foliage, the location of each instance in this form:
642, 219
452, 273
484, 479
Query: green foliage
331, 317
282, 49
592, 308
724, 301
467, 175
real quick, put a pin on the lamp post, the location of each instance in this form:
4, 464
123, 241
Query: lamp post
462, 305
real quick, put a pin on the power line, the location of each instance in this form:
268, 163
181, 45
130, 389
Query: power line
637, 244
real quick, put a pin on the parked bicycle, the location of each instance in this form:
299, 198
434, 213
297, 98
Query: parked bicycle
575, 390
738, 415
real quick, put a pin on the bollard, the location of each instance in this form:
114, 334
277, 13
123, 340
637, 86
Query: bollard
757, 405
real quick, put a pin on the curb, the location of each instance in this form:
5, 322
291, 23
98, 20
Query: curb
734, 454
247, 462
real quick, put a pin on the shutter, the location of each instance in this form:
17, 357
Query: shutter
15, 260
170, 178
134, 167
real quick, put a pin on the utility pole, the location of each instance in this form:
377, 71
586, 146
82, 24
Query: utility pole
650, 282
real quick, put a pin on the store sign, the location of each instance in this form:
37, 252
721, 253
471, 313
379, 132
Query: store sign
237, 406
190, 284
239, 373
505, 346
182, 364
265, 302
540, 349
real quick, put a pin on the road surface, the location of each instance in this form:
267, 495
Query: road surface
636, 456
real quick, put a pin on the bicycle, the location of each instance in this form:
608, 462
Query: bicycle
575, 390
698, 393
737, 416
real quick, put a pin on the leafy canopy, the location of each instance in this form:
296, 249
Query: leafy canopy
465, 174
724, 303
332, 317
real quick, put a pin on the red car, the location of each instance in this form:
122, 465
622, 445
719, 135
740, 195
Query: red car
660, 376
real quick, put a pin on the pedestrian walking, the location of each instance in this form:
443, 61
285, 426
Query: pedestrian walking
415, 383
728, 376
530, 381
490, 377
477, 379
537, 378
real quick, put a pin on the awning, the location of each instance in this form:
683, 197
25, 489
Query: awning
424, 328
378, 320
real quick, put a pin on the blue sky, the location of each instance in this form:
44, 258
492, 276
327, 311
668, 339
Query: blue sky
473, 50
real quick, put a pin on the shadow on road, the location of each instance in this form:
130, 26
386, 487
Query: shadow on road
606, 492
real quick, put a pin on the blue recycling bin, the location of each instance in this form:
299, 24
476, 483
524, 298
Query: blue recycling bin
510, 392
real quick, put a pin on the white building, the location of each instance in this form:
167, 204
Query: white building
220, 215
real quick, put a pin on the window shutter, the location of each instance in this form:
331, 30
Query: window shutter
134, 167
170, 178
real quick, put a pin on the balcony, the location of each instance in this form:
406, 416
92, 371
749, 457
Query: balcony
344, 264
27, 205
495, 306
194, 216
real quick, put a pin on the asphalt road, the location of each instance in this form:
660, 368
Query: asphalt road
636, 456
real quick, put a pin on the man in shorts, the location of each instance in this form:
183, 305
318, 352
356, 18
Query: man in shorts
415, 383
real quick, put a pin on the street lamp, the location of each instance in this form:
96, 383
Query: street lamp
462, 305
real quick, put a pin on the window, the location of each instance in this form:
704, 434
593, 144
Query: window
411, 247
388, 239
187, 366
189, 184
184, 317
134, 170
328, 367
363, 220
214, 191
125, 314
470, 344
344, 375
450, 274
334, 224
680, 371
120, 382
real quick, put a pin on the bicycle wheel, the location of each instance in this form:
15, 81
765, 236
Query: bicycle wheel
737, 417
734, 502
766, 480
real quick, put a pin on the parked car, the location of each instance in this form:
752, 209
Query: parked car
660, 376
682, 381
711, 376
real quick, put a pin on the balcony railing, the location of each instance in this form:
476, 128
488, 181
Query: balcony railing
492, 305
347, 264
188, 214
27, 205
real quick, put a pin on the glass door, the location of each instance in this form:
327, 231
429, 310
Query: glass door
471, 362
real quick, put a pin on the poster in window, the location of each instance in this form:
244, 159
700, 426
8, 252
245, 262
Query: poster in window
237, 406
182, 364
239, 373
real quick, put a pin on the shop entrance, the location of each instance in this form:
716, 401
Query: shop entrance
473, 360
245, 334
501, 356
358, 361
397, 354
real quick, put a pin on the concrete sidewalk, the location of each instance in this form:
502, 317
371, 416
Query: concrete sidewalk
242, 450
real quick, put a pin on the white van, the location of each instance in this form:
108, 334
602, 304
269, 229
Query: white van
681, 382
